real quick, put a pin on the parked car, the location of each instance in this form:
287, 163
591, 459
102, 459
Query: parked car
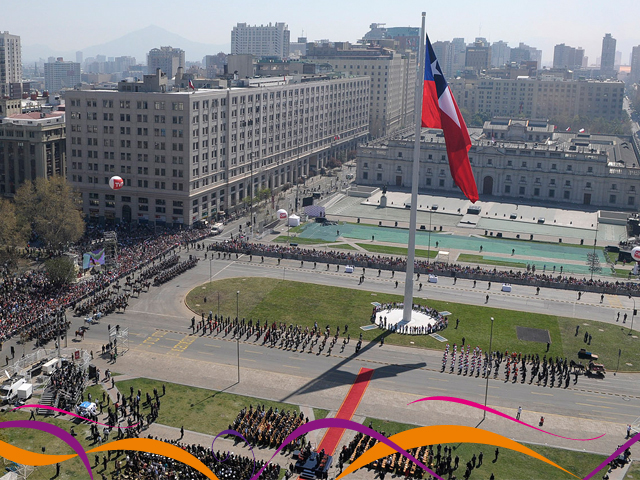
584, 354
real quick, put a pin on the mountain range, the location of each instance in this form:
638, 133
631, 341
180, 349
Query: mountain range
135, 44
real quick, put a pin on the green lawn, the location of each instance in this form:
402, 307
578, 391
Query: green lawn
471, 258
344, 246
634, 472
34, 440
196, 409
320, 413
299, 240
386, 249
510, 465
304, 303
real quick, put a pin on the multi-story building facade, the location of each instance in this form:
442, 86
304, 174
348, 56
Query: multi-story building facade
478, 56
60, 74
167, 59
608, 57
261, 41
635, 65
500, 53
392, 80
32, 145
189, 155
519, 160
541, 97
568, 57
10, 63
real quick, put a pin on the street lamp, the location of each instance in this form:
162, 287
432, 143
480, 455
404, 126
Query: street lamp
633, 314
210, 260
486, 390
238, 336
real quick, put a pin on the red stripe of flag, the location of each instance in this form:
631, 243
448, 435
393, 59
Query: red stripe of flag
441, 111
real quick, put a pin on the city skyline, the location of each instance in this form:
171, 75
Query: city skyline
335, 21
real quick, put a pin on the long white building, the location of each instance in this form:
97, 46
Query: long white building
186, 156
515, 159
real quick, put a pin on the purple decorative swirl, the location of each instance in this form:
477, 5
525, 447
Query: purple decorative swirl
55, 431
349, 425
470, 403
614, 455
236, 434
47, 407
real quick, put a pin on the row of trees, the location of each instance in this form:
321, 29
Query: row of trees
47, 210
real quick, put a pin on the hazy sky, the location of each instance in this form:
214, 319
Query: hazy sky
75, 24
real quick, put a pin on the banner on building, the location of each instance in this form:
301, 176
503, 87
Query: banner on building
92, 259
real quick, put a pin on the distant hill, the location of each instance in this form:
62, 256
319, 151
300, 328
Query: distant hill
136, 44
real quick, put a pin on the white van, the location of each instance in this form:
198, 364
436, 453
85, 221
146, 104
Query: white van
9, 389
217, 228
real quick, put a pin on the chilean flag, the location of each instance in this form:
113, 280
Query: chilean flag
191, 85
439, 110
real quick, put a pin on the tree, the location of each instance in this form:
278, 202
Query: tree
60, 270
12, 236
52, 210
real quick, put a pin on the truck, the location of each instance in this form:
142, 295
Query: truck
50, 367
217, 228
9, 388
25, 391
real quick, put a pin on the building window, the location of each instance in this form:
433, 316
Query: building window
441, 183
365, 175
378, 177
569, 168
522, 190
552, 193
536, 192
507, 189
589, 169
509, 163
567, 194
631, 201
428, 182
612, 199
489, 161
614, 186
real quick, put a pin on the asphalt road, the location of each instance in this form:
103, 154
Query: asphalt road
158, 322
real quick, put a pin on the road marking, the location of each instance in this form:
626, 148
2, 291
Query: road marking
158, 314
182, 345
546, 394
436, 388
298, 359
290, 366
252, 351
589, 405
211, 345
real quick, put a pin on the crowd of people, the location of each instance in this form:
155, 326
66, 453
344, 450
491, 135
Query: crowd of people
167, 275
138, 465
552, 372
29, 300
288, 337
381, 262
441, 322
268, 428
66, 385
441, 460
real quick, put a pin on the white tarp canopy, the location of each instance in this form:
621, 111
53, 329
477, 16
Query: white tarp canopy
294, 220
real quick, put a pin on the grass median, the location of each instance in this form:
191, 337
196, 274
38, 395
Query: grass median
510, 465
304, 304
471, 258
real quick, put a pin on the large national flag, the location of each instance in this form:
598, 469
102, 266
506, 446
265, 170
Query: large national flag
439, 110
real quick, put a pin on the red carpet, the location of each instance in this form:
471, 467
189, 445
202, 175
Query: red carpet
347, 410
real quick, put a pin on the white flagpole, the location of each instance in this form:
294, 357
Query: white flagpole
411, 253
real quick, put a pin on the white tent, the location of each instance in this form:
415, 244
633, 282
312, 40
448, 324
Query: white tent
294, 220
